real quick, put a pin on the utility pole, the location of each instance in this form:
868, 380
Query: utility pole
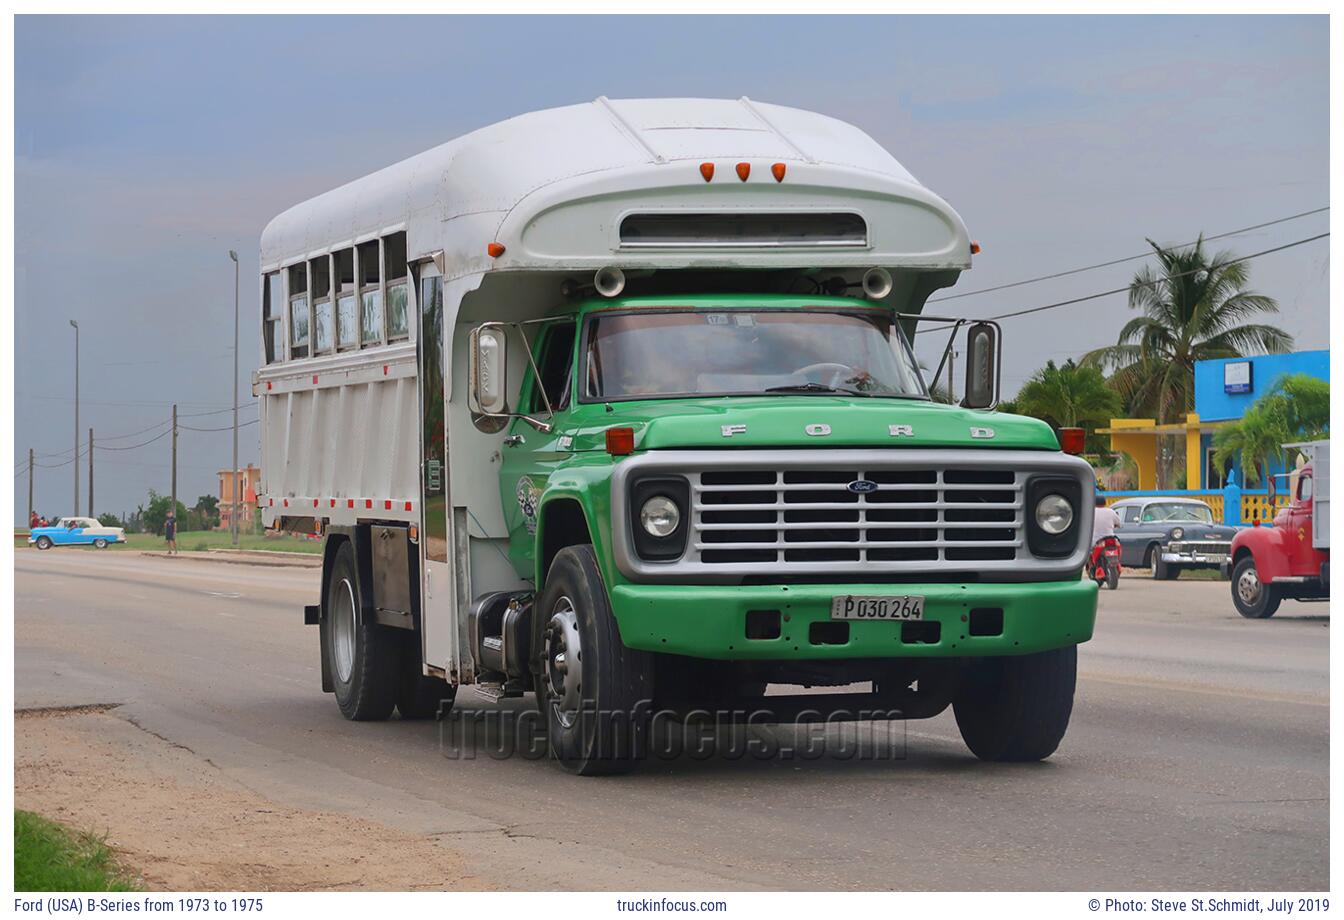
233, 514
75, 463
173, 506
90, 472
30, 483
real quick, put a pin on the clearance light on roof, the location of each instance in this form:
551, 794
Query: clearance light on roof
707, 170
495, 250
620, 441
975, 247
778, 172
1071, 440
743, 170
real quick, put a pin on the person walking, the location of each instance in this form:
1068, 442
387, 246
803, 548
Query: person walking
170, 532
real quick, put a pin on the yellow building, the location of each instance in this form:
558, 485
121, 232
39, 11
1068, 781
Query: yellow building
1141, 439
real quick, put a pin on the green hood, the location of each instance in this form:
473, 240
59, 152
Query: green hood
783, 421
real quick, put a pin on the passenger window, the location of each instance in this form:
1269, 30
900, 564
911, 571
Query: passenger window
298, 310
1130, 515
370, 292
557, 360
347, 318
323, 322
394, 261
273, 315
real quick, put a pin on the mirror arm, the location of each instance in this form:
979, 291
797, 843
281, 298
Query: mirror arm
947, 350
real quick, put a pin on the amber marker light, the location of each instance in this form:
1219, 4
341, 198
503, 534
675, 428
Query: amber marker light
620, 441
778, 172
707, 171
743, 170
1071, 440
495, 249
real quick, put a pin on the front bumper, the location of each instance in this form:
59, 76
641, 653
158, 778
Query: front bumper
710, 621
1213, 559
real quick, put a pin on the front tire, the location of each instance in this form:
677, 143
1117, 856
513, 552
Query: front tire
362, 657
1161, 571
594, 692
1253, 598
1017, 708
100, 544
43, 543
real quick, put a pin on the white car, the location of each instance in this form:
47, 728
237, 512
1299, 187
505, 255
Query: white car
76, 531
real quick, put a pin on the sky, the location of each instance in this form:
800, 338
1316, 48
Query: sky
147, 147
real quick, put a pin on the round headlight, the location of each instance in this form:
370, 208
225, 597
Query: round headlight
1054, 514
660, 516
1177, 533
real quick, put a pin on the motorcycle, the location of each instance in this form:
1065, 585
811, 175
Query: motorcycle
1104, 566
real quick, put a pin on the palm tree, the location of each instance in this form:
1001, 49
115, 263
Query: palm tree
1068, 396
1296, 408
1196, 309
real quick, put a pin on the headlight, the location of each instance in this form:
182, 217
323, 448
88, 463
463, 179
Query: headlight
660, 516
1054, 514
1177, 533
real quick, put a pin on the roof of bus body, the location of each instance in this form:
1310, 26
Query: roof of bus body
552, 185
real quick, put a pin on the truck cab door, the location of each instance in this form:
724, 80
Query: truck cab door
1297, 539
530, 455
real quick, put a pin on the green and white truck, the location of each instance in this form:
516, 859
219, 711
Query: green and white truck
616, 404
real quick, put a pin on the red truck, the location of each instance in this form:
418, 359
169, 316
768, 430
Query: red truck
1292, 558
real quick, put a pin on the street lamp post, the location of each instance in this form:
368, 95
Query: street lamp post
233, 515
75, 462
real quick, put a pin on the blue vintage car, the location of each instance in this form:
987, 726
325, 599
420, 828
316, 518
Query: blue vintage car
1169, 535
76, 531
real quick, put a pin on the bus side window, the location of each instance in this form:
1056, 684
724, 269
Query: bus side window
394, 270
323, 320
347, 318
557, 360
370, 292
273, 316
298, 310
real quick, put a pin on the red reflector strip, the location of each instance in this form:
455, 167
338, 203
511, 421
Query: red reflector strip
384, 370
387, 504
408, 506
271, 501
269, 385
368, 503
286, 503
333, 503
349, 503
314, 378
314, 503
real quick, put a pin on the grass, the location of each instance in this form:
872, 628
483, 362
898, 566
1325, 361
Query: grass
48, 857
201, 541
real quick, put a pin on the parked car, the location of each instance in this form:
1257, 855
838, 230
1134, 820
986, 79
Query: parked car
1292, 558
1170, 535
76, 531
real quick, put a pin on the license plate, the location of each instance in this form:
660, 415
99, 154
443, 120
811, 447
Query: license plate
867, 607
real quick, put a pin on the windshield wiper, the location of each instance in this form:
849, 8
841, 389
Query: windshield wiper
810, 387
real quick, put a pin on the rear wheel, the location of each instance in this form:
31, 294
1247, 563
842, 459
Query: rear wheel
362, 656
1253, 598
594, 691
1112, 574
1017, 708
44, 543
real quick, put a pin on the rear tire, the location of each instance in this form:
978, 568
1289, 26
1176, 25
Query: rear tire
418, 695
1253, 599
594, 692
1112, 575
1017, 708
363, 657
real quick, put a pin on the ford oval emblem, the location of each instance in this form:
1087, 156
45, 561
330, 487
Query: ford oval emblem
862, 486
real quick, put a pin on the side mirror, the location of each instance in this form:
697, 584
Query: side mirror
982, 366
487, 370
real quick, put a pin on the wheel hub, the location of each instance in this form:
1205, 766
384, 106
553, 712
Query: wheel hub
343, 630
1248, 587
564, 662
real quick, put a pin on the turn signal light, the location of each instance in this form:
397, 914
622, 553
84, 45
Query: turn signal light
975, 247
778, 172
495, 249
620, 441
1071, 440
707, 170
743, 170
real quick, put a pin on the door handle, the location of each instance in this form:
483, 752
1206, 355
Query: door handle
514, 440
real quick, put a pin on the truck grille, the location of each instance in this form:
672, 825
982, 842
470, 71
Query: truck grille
808, 516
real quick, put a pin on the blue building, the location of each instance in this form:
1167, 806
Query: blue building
1226, 387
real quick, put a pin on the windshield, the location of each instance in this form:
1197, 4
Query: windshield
1178, 511
644, 355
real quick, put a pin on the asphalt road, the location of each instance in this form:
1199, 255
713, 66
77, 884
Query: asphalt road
1197, 758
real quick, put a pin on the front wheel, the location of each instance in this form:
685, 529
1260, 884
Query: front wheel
100, 543
43, 543
1017, 708
1253, 598
594, 692
1161, 570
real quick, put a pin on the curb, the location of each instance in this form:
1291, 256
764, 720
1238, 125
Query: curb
300, 563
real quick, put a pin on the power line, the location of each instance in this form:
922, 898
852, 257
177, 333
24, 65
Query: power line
1144, 255
225, 428
157, 437
1128, 287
